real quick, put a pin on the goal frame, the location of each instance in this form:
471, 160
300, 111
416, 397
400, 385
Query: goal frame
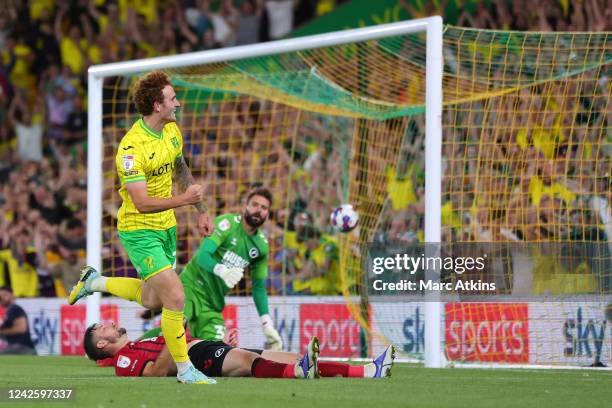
433, 28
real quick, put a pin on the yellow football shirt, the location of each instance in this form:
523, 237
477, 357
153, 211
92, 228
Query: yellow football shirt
144, 155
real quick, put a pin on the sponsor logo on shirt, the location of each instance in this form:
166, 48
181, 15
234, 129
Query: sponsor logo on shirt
230, 259
163, 169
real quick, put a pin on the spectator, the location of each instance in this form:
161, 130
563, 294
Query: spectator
76, 123
15, 328
59, 106
315, 268
225, 24
44, 43
67, 268
280, 17
18, 60
72, 237
29, 134
249, 21
73, 46
49, 203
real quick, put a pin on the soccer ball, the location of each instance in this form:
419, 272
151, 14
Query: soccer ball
344, 218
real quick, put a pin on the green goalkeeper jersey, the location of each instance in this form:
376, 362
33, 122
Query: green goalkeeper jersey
232, 246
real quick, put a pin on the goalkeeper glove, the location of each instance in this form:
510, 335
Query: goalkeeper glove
272, 337
231, 276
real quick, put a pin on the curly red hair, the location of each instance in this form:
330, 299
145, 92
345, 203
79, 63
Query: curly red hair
148, 90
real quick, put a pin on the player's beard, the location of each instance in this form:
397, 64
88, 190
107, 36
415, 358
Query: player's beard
121, 331
254, 220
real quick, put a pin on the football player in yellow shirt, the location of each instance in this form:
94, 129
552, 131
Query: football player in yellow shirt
148, 156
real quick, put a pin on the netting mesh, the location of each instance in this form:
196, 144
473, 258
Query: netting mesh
526, 156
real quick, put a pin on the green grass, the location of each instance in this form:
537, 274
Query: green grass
409, 386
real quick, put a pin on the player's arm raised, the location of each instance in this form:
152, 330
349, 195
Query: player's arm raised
185, 181
163, 366
147, 204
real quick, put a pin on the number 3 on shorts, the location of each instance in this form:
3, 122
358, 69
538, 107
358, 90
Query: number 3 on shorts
220, 329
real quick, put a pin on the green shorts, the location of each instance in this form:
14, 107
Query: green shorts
204, 322
151, 251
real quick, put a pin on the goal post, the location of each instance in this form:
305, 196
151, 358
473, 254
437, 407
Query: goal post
433, 181
347, 105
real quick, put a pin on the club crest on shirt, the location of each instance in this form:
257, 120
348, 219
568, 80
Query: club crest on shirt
175, 142
128, 161
123, 362
253, 253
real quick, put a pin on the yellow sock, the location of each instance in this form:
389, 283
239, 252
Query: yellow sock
174, 334
125, 288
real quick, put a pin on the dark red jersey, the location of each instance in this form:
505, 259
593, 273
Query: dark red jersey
132, 358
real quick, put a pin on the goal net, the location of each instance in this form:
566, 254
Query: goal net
525, 158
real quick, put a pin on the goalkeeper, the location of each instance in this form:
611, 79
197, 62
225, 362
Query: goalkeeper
219, 265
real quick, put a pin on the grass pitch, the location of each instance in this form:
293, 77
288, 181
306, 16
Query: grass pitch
409, 386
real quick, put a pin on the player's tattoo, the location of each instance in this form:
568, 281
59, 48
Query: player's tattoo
183, 177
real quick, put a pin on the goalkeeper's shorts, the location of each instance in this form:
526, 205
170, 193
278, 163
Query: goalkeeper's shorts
204, 322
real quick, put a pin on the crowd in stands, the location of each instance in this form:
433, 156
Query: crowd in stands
522, 15
46, 47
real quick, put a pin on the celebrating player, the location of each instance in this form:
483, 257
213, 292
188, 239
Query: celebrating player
219, 265
149, 357
148, 155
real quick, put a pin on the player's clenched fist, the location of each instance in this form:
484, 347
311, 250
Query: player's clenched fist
193, 194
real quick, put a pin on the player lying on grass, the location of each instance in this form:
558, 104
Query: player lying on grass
150, 358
